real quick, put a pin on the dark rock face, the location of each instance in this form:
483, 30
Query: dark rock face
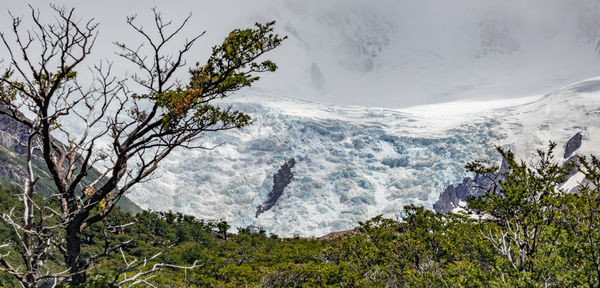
477, 186
13, 156
448, 200
470, 187
12, 171
12, 133
13, 136
281, 179
573, 144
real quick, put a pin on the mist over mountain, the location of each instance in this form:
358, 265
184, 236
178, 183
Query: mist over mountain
403, 53
386, 53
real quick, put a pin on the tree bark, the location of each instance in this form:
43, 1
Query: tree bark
77, 267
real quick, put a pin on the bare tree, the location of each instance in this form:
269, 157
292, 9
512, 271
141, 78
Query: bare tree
141, 271
41, 90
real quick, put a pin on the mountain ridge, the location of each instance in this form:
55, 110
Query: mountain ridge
13, 163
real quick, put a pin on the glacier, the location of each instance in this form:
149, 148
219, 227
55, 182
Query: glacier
352, 162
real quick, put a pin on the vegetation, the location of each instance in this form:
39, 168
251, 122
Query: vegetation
528, 234
531, 235
142, 118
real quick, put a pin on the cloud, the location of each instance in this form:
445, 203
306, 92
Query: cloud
391, 53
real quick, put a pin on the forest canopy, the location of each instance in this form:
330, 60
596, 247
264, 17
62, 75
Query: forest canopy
533, 235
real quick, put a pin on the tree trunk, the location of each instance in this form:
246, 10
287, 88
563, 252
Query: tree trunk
76, 265
33, 271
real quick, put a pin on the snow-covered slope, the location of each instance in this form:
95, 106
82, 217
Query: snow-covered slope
399, 53
396, 53
352, 163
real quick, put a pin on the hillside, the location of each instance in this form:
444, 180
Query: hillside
13, 163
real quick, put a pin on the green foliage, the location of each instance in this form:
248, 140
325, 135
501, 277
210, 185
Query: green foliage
231, 67
8, 93
166, 115
532, 234
525, 215
231, 64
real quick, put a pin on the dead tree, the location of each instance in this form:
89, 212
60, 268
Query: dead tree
122, 132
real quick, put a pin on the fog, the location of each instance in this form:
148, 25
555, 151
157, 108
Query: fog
394, 53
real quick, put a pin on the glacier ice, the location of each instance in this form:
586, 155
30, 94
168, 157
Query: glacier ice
353, 163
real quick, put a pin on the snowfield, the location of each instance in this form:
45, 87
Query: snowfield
353, 163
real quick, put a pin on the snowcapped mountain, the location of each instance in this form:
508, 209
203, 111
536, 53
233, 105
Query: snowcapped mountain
314, 168
406, 53
309, 168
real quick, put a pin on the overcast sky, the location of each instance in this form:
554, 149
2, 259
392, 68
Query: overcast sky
392, 53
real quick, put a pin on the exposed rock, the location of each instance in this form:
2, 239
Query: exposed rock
470, 187
12, 133
281, 179
448, 200
573, 144
12, 171
477, 186
13, 159
362, 36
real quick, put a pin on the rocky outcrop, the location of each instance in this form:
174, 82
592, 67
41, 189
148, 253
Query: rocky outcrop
281, 179
453, 194
12, 171
12, 133
12, 162
573, 144
451, 197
